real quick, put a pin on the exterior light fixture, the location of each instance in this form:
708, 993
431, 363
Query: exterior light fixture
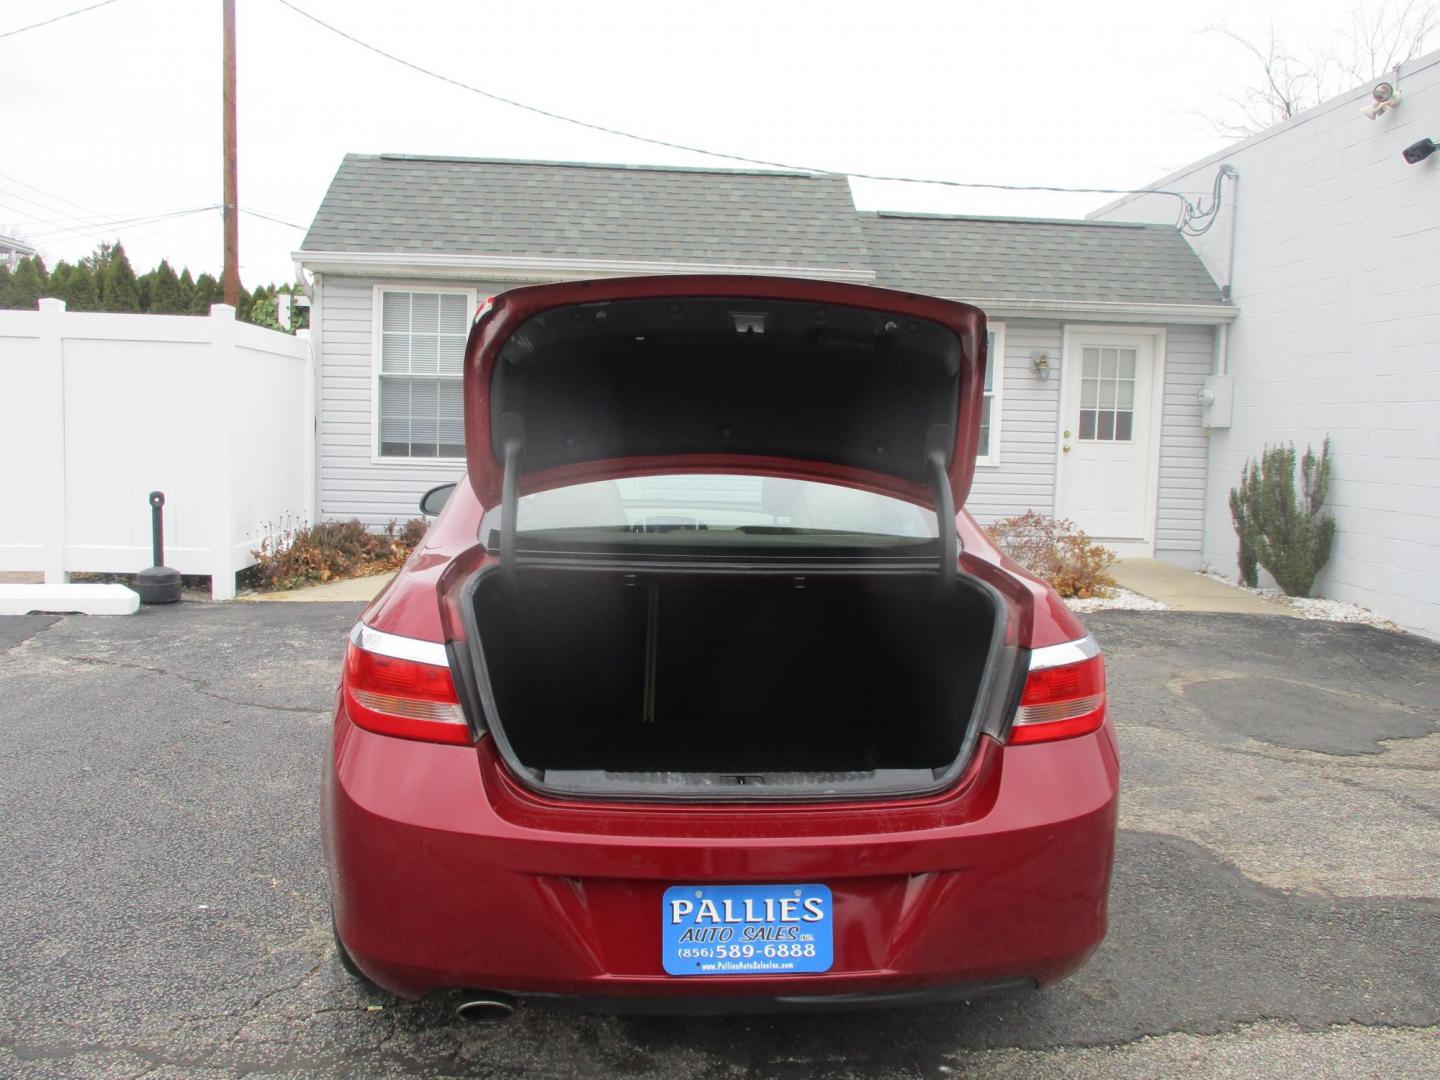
1384, 96
1040, 362
1418, 152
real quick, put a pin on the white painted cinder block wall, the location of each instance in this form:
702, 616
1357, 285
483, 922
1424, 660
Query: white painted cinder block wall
1337, 277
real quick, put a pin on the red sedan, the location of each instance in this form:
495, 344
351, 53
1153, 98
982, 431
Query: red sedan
705, 692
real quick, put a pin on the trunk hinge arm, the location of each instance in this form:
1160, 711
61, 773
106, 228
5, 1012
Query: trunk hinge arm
512, 442
937, 444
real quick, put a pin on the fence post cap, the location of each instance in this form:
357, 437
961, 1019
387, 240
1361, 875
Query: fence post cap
50, 303
222, 311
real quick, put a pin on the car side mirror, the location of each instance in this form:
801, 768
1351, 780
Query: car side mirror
434, 500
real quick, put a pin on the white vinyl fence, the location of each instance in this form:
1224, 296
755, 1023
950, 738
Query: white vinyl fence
98, 410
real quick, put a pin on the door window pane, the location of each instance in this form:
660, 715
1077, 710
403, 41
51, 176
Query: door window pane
1107, 394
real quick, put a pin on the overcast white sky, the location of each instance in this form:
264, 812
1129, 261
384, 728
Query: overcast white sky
115, 113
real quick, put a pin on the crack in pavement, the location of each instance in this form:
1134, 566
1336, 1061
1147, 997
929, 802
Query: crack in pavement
198, 685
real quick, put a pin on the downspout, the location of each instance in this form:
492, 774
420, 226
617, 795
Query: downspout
317, 360
1221, 363
1222, 336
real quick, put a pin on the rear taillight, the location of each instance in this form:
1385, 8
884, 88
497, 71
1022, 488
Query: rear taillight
1064, 693
402, 686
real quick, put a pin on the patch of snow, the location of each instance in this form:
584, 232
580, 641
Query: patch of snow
1117, 599
1315, 607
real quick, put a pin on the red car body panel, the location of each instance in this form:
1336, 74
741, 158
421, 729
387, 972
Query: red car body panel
505, 313
450, 872
447, 872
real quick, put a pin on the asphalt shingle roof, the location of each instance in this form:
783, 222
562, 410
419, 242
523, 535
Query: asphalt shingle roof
1034, 259
466, 206
460, 206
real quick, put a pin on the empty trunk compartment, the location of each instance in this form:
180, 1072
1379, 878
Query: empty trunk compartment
612, 682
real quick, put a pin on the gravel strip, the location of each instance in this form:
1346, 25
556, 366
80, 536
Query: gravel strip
1116, 599
1316, 607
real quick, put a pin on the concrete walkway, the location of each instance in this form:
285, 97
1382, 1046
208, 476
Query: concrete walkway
1185, 590
362, 588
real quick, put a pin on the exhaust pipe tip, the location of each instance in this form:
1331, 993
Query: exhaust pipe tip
485, 1008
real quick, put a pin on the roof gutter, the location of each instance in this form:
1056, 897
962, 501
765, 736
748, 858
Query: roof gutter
528, 268
1100, 310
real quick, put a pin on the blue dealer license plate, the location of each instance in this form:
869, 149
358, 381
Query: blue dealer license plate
747, 929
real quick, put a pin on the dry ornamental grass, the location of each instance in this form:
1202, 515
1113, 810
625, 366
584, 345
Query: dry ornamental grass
290, 558
1057, 551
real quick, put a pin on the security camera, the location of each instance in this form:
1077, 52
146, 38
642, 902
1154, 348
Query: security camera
1384, 96
1418, 152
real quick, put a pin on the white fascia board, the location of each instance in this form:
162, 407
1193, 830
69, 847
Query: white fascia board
526, 268
1100, 310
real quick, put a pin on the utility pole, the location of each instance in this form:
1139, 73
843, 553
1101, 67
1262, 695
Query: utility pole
231, 278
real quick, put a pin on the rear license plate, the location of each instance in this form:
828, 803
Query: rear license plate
747, 929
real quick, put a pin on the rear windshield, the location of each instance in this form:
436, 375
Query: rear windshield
705, 508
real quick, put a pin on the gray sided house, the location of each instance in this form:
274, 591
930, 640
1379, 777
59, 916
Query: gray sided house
1102, 333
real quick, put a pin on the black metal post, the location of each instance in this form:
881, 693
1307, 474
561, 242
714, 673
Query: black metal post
158, 584
157, 527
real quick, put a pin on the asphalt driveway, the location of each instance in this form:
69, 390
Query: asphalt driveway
1276, 907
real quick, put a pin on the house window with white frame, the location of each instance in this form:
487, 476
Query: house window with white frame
421, 353
989, 451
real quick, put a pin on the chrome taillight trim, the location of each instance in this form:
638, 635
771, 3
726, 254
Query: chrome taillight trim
401, 648
1068, 652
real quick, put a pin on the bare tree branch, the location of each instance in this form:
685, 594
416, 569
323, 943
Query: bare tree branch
1286, 81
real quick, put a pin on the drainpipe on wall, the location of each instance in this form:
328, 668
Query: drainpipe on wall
1221, 362
1222, 338
317, 352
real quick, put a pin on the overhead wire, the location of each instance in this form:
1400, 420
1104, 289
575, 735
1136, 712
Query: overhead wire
271, 217
105, 226
55, 19
1194, 218
1188, 211
50, 199
72, 219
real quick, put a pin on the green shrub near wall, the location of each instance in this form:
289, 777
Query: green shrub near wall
1286, 531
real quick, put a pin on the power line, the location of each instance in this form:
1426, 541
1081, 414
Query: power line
105, 226
70, 219
57, 18
51, 236
51, 199
1186, 212
271, 217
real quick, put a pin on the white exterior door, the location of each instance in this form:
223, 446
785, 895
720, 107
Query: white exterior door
1109, 427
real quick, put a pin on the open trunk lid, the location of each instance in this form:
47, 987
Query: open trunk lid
583, 380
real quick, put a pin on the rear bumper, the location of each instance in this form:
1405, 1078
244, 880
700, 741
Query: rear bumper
802, 1003
445, 874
